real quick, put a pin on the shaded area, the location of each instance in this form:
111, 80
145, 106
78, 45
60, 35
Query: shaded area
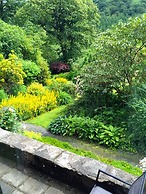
18, 179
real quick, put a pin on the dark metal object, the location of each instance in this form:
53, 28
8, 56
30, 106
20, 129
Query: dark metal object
137, 187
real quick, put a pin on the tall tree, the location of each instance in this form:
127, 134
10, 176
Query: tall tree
72, 23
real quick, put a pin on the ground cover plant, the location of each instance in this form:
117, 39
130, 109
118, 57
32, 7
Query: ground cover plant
88, 129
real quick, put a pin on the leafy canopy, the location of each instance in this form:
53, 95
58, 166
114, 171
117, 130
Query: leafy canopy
119, 60
72, 23
8, 9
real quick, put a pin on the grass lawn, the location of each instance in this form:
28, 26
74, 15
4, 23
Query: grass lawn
45, 119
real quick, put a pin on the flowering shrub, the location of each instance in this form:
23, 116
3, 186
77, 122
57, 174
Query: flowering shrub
49, 82
11, 72
8, 119
57, 83
28, 105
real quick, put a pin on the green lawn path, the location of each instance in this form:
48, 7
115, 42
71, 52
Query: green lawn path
45, 119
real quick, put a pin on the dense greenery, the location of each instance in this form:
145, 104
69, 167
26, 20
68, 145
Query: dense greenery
118, 60
137, 125
9, 119
70, 24
11, 73
8, 9
88, 129
106, 82
114, 10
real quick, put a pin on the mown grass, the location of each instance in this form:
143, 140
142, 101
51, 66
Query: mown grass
66, 146
45, 119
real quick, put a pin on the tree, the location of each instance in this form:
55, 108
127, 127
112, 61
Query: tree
72, 23
112, 11
11, 72
27, 45
119, 60
8, 9
137, 116
14, 38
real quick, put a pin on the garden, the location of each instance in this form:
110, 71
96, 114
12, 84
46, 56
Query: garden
93, 90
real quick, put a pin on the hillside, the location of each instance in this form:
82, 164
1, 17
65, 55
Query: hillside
112, 11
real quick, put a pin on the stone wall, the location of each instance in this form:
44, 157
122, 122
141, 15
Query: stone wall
75, 170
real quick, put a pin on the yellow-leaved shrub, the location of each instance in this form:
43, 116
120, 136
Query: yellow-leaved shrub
36, 89
62, 80
28, 105
57, 82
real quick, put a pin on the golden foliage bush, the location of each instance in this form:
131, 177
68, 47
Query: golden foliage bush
28, 105
62, 80
56, 82
36, 89
11, 72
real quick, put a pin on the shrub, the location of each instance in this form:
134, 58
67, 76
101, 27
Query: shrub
88, 129
8, 119
43, 65
59, 67
61, 84
61, 80
70, 88
64, 98
3, 95
11, 72
32, 70
137, 118
17, 89
36, 89
28, 106
67, 75
52, 84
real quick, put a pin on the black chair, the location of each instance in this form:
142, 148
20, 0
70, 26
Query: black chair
137, 187
1, 190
